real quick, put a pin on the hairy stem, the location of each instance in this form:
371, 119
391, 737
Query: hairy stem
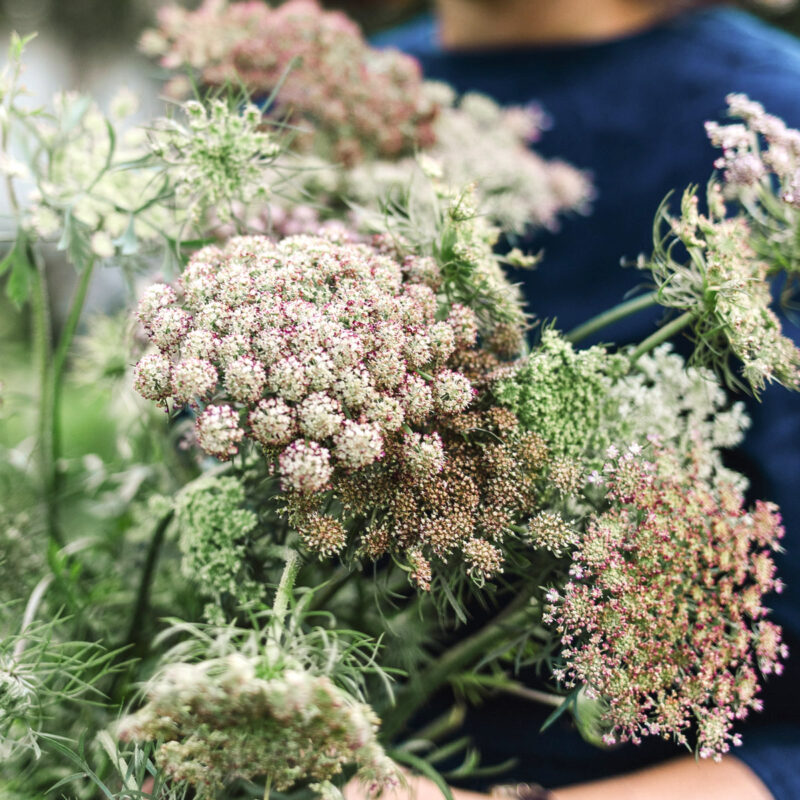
285, 588
611, 316
661, 335
461, 656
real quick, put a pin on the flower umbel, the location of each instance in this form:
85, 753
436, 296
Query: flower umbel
666, 622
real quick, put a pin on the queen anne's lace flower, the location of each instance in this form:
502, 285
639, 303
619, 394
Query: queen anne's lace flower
724, 287
217, 720
361, 101
357, 381
668, 648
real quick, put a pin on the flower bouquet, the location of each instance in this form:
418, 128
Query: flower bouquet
350, 469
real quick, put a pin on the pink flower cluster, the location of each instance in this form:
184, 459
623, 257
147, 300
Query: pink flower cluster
663, 619
757, 148
314, 347
362, 102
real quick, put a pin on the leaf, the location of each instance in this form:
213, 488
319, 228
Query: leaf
425, 768
570, 700
18, 44
75, 113
78, 760
454, 604
18, 288
128, 242
75, 241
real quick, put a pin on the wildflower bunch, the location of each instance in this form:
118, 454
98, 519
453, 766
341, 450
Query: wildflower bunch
361, 102
723, 291
356, 379
663, 619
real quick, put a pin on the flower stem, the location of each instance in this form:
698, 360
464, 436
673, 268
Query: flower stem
267, 788
661, 335
611, 316
285, 588
462, 655
135, 629
60, 359
42, 339
534, 695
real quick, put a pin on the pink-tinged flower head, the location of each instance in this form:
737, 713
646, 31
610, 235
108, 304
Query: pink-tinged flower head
362, 102
358, 444
423, 454
329, 357
152, 376
664, 616
245, 379
305, 467
218, 431
157, 297
452, 392
193, 377
272, 422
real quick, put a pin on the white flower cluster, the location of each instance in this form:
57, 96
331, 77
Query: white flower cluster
219, 720
681, 407
218, 158
724, 290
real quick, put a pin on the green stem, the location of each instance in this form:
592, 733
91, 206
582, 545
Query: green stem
137, 630
661, 335
611, 316
285, 588
267, 788
60, 359
462, 655
142, 605
534, 695
42, 339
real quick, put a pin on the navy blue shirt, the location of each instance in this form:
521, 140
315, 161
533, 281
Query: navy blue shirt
631, 111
